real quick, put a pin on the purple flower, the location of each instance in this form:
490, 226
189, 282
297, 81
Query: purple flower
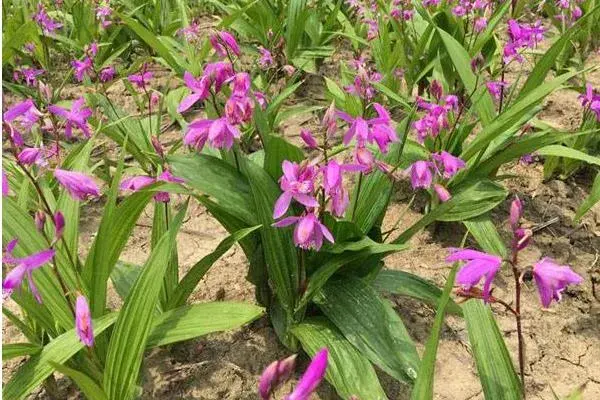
200, 90
20, 118
516, 212
298, 183
479, 265
23, 267
79, 186
219, 73
261, 99
223, 42
308, 139
239, 109
30, 156
82, 68
442, 193
140, 79
275, 374
197, 133
447, 164
266, 59
83, 321
431, 3
334, 188
76, 117
495, 88
591, 99
240, 84
222, 133
59, 225
28, 74
311, 378
480, 24
421, 175
166, 176
329, 121
521, 36
289, 69
107, 74
309, 231
136, 183
42, 18
190, 33
359, 128
551, 279
382, 131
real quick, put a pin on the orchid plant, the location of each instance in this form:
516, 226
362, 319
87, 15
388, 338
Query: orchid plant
426, 100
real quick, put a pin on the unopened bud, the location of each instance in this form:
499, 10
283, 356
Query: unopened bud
40, 220
274, 375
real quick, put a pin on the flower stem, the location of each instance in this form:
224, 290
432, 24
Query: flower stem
517, 314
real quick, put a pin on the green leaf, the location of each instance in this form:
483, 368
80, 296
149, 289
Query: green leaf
567, 152
512, 115
277, 149
17, 223
348, 371
423, 388
123, 276
494, 365
188, 322
38, 367
371, 325
462, 63
406, 284
128, 340
484, 231
279, 249
189, 282
591, 200
13, 350
152, 41
87, 385
537, 76
296, 15
325, 271
219, 180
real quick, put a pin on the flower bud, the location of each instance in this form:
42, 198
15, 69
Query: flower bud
516, 211
40, 220
158, 147
274, 375
522, 238
59, 225
308, 139
442, 193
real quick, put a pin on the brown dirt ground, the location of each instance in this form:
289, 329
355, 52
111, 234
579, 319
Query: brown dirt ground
562, 343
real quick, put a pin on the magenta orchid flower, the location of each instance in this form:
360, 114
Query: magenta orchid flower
552, 279
79, 186
359, 129
261, 99
190, 33
76, 117
312, 377
495, 88
23, 267
166, 176
334, 188
136, 183
83, 321
82, 68
223, 42
47, 24
478, 265
421, 175
382, 131
200, 91
28, 74
107, 74
239, 109
20, 118
298, 183
141, 79
219, 73
266, 59
309, 231
197, 133
308, 139
220, 133
278, 372
31, 155
446, 164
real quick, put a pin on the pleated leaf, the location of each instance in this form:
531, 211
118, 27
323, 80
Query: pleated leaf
494, 364
371, 325
348, 371
13, 350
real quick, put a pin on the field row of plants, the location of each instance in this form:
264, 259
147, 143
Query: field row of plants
152, 105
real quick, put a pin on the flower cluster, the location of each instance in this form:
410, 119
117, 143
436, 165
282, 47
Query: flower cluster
190, 33
27, 74
138, 182
367, 13
222, 131
48, 25
85, 66
591, 100
570, 11
475, 10
402, 9
279, 371
426, 174
551, 278
365, 76
520, 37
437, 114
103, 13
